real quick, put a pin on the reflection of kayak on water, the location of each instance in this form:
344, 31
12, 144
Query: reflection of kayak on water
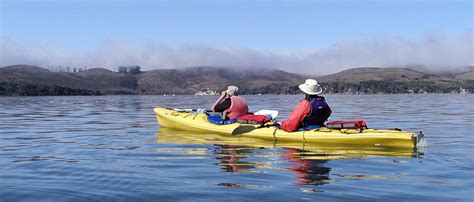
308, 161
368, 137
314, 151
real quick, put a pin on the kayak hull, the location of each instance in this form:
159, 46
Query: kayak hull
368, 137
312, 151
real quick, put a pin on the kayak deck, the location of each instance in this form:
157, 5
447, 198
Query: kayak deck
368, 137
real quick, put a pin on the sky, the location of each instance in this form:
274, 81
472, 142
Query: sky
316, 37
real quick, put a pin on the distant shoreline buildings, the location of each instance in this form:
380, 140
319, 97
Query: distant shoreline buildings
208, 91
66, 69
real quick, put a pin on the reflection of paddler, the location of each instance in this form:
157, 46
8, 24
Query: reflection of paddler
307, 171
230, 157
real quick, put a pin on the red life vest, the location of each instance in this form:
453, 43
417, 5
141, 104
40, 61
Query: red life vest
238, 107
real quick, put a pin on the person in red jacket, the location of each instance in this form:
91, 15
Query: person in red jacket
312, 111
231, 103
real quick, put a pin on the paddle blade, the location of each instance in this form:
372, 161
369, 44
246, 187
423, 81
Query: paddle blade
243, 129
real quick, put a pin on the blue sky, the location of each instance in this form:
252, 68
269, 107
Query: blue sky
264, 26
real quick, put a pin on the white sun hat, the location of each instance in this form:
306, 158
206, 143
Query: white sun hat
232, 90
311, 87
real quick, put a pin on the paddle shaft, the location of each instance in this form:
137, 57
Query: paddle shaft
272, 113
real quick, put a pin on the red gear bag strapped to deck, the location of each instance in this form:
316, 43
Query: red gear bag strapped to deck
253, 119
347, 124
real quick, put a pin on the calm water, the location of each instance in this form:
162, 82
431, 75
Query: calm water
111, 148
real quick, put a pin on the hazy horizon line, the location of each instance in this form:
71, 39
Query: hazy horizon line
434, 52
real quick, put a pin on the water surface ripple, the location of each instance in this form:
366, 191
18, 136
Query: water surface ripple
111, 148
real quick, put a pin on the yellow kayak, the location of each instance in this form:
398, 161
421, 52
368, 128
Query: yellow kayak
198, 122
310, 151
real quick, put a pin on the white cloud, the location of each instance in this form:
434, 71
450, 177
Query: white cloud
433, 50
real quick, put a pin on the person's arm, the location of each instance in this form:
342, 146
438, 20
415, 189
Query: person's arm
221, 97
328, 112
296, 117
223, 105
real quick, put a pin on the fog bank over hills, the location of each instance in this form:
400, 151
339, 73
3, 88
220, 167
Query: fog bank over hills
433, 52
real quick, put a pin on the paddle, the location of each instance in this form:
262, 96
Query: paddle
200, 110
246, 129
272, 113
241, 129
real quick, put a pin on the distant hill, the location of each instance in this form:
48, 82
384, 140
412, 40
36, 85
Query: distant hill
374, 74
108, 82
467, 75
191, 80
32, 80
395, 80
